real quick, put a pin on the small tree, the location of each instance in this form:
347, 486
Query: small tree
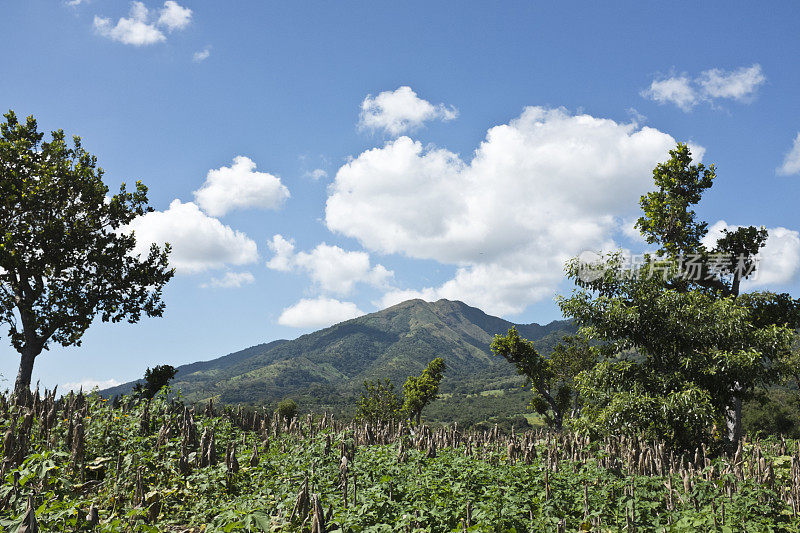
573, 355
551, 379
64, 255
155, 379
378, 402
419, 391
287, 410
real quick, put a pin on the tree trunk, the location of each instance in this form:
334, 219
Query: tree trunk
734, 415
22, 387
558, 419
737, 280
558, 414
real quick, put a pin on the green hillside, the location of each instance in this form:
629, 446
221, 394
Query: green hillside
327, 368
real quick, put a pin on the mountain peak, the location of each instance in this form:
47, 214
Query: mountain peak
392, 343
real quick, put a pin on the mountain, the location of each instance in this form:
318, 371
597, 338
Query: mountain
328, 367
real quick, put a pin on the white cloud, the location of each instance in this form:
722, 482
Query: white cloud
495, 288
201, 55
791, 163
628, 228
778, 260
401, 110
231, 280
283, 249
317, 313
675, 89
137, 30
332, 268
239, 186
199, 242
317, 174
88, 384
174, 17
538, 191
740, 84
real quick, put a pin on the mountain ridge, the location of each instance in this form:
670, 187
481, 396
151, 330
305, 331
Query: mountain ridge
330, 364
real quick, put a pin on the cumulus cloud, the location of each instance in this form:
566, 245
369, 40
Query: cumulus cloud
332, 268
778, 260
201, 55
240, 186
495, 288
791, 163
740, 84
199, 242
138, 29
317, 313
231, 280
88, 385
538, 191
676, 89
399, 111
174, 17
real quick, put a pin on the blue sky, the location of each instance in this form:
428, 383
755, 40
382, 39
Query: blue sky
310, 161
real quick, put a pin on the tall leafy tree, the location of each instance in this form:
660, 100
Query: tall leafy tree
419, 391
65, 257
687, 347
677, 356
670, 221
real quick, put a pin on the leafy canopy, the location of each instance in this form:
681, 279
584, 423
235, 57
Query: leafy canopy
65, 256
379, 402
419, 391
683, 350
155, 379
287, 409
551, 379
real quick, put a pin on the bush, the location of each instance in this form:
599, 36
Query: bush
287, 409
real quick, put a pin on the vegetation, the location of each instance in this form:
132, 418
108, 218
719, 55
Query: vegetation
551, 378
685, 351
64, 255
327, 369
287, 410
379, 402
645, 405
81, 464
419, 391
154, 380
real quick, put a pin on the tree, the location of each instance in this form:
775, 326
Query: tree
378, 402
421, 390
551, 379
686, 349
287, 410
65, 257
155, 379
669, 222
573, 355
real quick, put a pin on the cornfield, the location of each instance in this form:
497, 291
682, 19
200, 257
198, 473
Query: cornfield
81, 463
